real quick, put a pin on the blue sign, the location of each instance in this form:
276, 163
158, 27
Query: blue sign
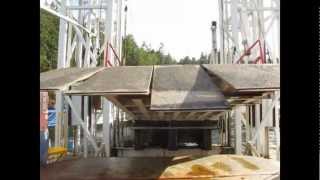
51, 117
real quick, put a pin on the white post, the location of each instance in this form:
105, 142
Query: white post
119, 32
109, 27
85, 139
79, 119
263, 137
257, 125
59, 117
247, 125
62, 45
88, 43
93, 119
266, 104
106, 125
234, 25
265, 119
76, 100
222, 56
238, 139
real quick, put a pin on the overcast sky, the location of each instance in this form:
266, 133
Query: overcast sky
182, 25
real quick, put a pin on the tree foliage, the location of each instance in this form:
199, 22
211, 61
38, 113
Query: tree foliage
144, 55
204, 59
49, 30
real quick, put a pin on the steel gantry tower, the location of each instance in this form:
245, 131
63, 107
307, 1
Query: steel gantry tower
90, 35
249, 31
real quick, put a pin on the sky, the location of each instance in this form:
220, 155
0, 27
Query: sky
183, 26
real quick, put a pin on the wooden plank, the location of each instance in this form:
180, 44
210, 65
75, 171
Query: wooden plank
142, 107
114, 100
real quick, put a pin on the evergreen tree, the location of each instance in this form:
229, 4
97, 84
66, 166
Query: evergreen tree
49, 32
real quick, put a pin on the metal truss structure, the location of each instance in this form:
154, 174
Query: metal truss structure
249, 32
90, 35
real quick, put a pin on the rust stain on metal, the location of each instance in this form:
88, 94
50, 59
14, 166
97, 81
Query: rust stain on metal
245, 163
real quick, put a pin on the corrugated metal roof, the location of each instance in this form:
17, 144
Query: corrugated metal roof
174, 88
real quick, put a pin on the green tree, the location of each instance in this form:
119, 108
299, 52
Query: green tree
145, 54
49, 27
204, 59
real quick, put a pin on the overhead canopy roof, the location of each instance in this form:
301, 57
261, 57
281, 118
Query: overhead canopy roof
181, 87
179, 92
117, 80
62, 78
246, 77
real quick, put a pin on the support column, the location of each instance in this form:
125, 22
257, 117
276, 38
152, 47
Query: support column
234, 26
85, 118
78, 140
93, 119
62, 48
266, 103
257, 125
76, 100
238, 136
246, 116
107, 117
66, 129
221, 29
59, 118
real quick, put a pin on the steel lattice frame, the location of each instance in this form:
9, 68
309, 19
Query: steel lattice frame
244, 23
249, 32
88, 30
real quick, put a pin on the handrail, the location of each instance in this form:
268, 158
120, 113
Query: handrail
247, 52
115, 53
106, 53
